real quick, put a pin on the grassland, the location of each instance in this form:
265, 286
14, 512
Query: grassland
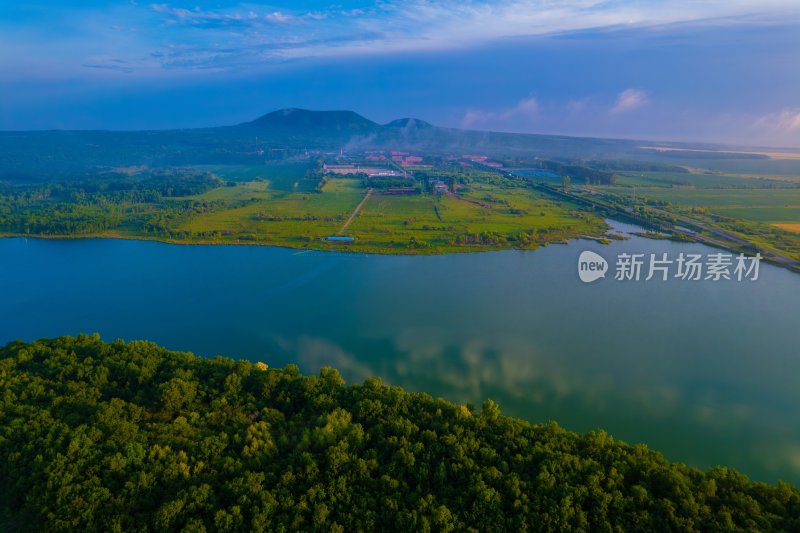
763, 210
724, 198
484, 215
775, 207
481, 216
254, 213
290, 204
700, 179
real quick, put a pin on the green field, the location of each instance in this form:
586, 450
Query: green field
758, 205
258, 214
760, 212
291, 203
482, 215
485, 215
704, 180
724, 197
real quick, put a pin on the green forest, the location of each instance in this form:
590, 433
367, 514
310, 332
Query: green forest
119, 436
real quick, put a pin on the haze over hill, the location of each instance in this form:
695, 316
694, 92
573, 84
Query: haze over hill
36, 155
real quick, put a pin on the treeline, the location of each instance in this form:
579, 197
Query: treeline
315, 173
388, 182
98, 203
709, 154
131, 437
167, 182
31, 156
148, 185
577, 172
635, 166
589, 172
59, 219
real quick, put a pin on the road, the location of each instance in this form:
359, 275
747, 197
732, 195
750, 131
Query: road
355, 211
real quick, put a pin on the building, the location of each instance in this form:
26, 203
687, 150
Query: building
411, 160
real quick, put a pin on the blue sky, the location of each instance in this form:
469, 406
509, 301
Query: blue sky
708, 70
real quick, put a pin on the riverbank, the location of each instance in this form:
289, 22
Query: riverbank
463, 326
422, 250
317, 245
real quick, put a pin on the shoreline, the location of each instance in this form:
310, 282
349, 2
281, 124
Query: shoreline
345, 248
787, 264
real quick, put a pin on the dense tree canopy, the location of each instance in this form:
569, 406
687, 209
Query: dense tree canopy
103, 201
131, 437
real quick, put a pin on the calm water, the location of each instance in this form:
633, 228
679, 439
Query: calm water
707, 373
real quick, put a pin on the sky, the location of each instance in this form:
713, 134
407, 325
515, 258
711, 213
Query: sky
724, 71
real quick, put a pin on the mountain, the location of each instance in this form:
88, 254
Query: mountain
307, 121
27, 156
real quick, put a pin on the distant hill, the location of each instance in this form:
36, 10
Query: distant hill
27, 156
305, 120
409, 123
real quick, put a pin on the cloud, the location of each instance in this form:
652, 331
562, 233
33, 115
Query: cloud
787, 120
528, 106
109, 66
780, 128
407, 25
525, 109
628, 100
289, 32
217, 19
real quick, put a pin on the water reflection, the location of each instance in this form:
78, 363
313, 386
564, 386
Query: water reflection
706, 373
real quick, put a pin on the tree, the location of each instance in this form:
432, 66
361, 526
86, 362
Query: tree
132, 437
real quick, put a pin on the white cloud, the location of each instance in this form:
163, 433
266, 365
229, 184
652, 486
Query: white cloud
406, 25
781, 128
787, 120
628, 100
253, 35
526, 108
426, 24
210, 20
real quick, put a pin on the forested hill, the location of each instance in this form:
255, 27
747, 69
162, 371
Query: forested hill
322, 122
131, 437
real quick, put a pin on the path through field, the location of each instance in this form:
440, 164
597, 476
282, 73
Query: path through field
355, 211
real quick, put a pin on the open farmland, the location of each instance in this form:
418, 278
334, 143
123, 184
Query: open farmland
277, 217
483, 215
758, 205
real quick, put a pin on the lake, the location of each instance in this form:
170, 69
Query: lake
707, 373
